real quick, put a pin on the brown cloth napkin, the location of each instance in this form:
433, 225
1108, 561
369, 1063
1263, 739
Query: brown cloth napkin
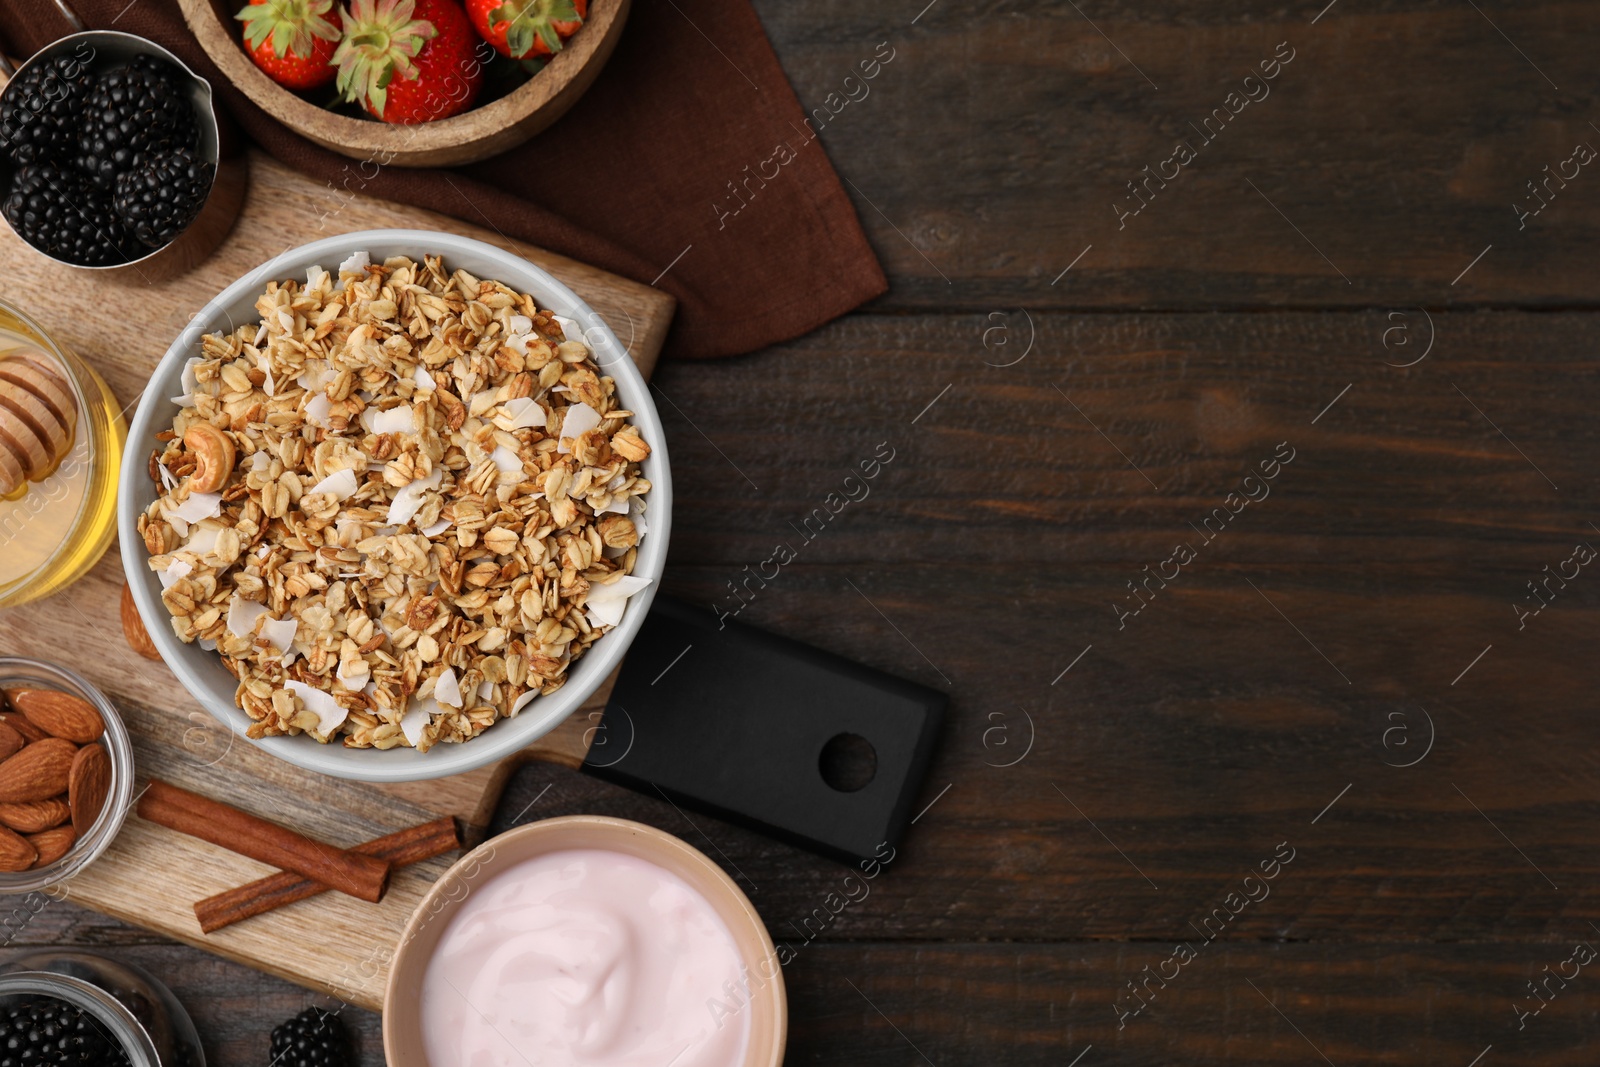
637, 178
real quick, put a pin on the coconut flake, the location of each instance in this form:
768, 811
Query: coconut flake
279, 633
189, 383
263, 364
176, 569
579, 420
618, 506
342, 484
400, 419
436, 529
521, 413
286, 319
314, 274
243, 615
330, 713
636, 513
316, 375
522, 701
521, 324
169, 481
409, 499
485, 690
606, 603
415, 720
506, 460
423, 379
446, 689
569, 328
202, 539
356, 264
317, 410
198, 507
261, 334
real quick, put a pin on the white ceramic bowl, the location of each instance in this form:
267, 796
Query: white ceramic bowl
202, 673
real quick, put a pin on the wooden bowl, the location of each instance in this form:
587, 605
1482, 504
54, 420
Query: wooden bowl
466, 138
762, 1002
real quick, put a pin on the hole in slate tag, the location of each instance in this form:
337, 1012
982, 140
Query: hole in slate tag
848, 762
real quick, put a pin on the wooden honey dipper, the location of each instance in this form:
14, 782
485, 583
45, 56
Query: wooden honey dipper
37, 415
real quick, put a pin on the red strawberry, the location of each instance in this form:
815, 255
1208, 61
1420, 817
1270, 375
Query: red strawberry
522, 28
409, 61
292, 40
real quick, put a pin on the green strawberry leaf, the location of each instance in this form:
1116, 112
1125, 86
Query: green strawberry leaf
519, 38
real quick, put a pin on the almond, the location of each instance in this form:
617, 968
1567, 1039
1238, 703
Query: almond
19, 722
39, 771
16, 854
133, 630
52, 844
59, 714
88, 785
10, 741
35, 816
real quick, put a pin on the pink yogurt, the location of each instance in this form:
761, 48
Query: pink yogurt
584, 958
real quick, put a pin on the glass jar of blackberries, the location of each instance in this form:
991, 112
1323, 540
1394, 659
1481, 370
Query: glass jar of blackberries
59, 1006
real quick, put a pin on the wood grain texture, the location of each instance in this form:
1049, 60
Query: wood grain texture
1041, 461
152, 876
989, 555
986, 158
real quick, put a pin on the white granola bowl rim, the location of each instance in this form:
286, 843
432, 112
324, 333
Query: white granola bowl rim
202, 673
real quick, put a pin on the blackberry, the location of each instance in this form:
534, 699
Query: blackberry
132, 112
314, 1038
159, 68
39, 114
160, 197
42, 1031
58, 211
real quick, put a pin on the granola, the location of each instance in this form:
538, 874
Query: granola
426, 505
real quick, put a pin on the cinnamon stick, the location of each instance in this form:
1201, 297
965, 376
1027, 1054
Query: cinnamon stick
210, 820
412, 845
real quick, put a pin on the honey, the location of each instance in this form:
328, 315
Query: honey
57, 522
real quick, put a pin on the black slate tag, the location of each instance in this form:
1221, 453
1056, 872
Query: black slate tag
735, 721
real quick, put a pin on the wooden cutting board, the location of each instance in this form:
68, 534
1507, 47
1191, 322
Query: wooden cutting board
152, 876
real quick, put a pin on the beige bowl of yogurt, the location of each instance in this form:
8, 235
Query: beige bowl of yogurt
585, 941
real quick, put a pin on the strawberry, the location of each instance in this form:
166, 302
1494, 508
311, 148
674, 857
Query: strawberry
524, 28
409, 61
292, 40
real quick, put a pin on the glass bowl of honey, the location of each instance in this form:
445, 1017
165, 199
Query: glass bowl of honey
61, 435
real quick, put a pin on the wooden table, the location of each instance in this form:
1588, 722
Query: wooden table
1338, 674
